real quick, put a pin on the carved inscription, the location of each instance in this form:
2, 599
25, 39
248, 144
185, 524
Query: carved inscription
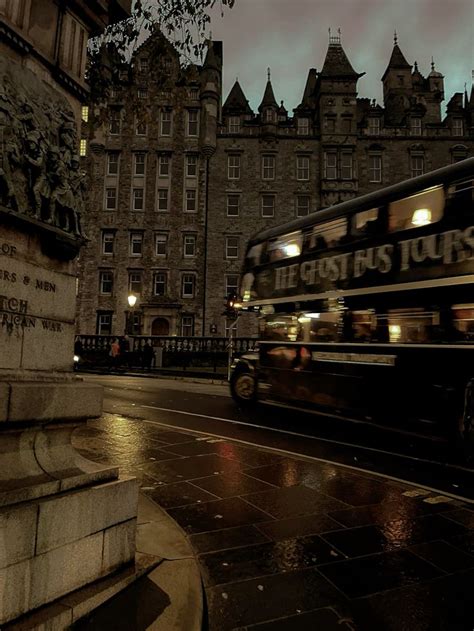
14, 311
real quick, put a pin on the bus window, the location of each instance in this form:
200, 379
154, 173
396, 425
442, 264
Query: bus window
364, 325
410, 326
365, 221
415, 211
280, 327
463, 321
320, 327
329, 234
285, 247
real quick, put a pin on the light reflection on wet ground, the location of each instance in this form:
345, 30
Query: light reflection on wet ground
302, 542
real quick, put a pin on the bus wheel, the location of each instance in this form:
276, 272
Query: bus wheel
243, 387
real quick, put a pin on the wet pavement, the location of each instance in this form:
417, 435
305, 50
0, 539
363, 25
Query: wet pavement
289, 543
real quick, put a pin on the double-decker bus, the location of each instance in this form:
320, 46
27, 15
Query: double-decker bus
366, 308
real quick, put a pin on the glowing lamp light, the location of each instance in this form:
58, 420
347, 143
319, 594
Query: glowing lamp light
132, 300
246, 296
421, 217
395, 332
313, 316
76, 358
292, 249
303, 319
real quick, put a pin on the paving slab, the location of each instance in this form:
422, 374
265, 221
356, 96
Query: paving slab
287, 543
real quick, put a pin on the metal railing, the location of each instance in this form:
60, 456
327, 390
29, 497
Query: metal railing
168, 351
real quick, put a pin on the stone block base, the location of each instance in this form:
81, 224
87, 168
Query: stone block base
60, 543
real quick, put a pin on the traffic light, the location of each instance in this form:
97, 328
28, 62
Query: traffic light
232, 306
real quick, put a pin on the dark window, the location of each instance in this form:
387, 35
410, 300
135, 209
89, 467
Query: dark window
106, 283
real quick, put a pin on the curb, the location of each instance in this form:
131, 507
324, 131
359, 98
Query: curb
189, 378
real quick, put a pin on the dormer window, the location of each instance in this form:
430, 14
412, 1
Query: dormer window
234, 124
303, 126
269, 116
374, 126
415, 126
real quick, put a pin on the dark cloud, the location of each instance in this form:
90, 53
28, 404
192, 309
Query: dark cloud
291, 36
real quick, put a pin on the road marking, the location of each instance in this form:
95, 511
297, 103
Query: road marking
299, 455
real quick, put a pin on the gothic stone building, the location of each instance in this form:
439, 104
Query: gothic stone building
179, 184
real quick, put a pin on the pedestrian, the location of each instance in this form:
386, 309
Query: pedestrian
125, 350
148, 356
114, 354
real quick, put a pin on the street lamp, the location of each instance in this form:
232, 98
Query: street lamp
132, 300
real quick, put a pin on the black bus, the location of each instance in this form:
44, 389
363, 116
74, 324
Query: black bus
366, 308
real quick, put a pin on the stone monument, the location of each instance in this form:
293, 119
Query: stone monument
64, 521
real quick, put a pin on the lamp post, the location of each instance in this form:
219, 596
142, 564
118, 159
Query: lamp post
131, 303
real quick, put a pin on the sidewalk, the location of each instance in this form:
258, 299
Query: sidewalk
283, 543
220, 376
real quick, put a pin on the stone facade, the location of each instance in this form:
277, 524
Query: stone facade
59, 522
267, 168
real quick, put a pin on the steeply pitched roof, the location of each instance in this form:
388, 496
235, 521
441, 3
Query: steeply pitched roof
307, 100
336, 63
213, 59
236, 101
268, 97
397, 61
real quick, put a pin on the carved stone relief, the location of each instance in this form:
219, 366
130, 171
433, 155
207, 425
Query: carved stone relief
40, 175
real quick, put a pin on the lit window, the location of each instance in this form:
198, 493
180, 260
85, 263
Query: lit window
363, 221
166, 123
110, 198
302, 168
83, 147
302, 205
233, 205
329, 234
163, 166
191, 166
189, 245
159, 283
287, 246
417, 210
232, 247
135, 282
330, 165
161, 244
268, 205
233, 167
346, 166
136, 244
268, 167
192, 123
234, 124
85, 113
162, 199
138, 198
139, 160
302, 126
187, 286
191, 201
417, 165
375, 168
108, 239
187, 325
106, 283
112, 163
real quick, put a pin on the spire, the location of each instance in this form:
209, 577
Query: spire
236, 101
397, 60
268, 96
307, 100
434, 73
336, 63
471, 98
213, 59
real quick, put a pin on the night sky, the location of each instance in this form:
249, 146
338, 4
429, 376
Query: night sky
291, 36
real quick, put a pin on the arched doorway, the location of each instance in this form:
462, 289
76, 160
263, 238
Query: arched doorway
160, 326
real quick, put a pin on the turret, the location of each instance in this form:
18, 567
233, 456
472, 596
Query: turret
211, 81
268, 108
